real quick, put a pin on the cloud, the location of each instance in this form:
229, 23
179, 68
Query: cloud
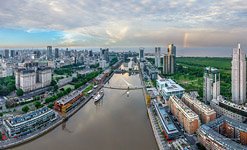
109, 22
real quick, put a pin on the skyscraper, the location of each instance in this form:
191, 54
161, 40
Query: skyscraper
104, 54
141, 55
169, 60
157, 56
56, 52
211, 86
49, 52
238, 76
12, 53
6, 53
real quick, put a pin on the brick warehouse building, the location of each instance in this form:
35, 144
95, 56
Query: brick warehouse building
223, 133
186, 117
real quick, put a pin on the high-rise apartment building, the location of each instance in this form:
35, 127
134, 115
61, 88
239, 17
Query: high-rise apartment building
238, 76
157, 56
56, 52
169, 60
211, 85
49, 52
104, 54
12, 53
141, 55
6, 53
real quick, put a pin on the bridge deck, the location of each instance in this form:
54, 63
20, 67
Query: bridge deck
123, 88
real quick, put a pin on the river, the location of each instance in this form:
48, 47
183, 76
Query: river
117, 122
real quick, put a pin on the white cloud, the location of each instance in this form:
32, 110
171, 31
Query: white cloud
109, 22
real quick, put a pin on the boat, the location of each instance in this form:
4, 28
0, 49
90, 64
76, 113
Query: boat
98, 96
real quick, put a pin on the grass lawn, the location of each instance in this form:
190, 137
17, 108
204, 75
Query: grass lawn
68, 86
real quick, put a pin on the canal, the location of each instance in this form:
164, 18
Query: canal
118, 121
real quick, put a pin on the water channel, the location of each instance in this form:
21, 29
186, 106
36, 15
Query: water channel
118, 122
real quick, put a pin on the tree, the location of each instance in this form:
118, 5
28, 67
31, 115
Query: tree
38, 104
19, 92
53, 82
50, 105
55, 87
25, 109
68, 90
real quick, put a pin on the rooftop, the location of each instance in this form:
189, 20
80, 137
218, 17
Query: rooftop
64, 100
211, 70
239, 109
207, 129
184, 108
28, 116
230, 121
165, 119
170, 85
200, 105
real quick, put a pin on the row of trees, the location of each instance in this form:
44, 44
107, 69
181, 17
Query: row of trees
82, 79
58, 95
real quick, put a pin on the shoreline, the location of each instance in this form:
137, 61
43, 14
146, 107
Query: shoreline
55, 124
150, 116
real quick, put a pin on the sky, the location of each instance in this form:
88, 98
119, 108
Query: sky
122, 23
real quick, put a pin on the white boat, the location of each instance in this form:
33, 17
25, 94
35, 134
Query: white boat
98, 96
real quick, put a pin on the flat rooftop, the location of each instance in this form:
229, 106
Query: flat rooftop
165, 119
28, 116
170, 85
207, 129
230, 121
184, 108
64, 100
200, 105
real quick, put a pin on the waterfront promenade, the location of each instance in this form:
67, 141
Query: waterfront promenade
159, 137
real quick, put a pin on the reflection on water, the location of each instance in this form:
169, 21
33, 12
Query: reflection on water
117, 121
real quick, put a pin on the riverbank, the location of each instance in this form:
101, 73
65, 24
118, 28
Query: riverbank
161, 143
10, 143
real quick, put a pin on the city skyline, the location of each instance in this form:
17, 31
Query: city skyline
108, 23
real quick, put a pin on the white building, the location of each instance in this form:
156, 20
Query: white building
238, 76
157, 56
103, 64
30, 122
31, 79
168, 87
211, 86
229, 109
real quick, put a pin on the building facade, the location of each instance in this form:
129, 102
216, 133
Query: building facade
49, 52
56, 53
223, 134
141, 54
185, 116
211, 85
30, 122
229, 109
6, 53
169, 60
205, 113
167, 88
31, 79
68, 102
157, 56
167, 125
238, 76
